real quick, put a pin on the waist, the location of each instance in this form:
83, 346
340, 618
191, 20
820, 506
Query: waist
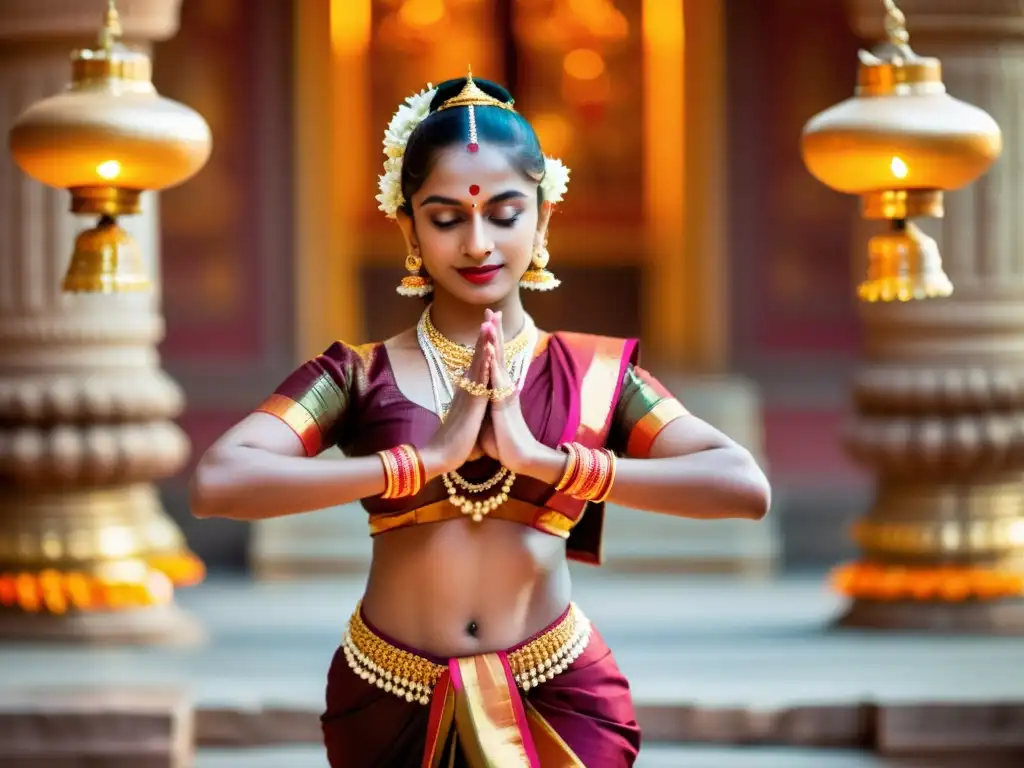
543, 519
412, 675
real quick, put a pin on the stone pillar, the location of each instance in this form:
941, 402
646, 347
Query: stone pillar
939, 400
85, 410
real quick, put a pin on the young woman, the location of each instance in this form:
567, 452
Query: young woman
476, 442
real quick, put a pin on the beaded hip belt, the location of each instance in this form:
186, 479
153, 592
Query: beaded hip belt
413, 677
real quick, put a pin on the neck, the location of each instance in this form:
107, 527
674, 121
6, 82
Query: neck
461, 322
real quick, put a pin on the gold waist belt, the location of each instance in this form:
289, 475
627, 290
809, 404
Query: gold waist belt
413, 677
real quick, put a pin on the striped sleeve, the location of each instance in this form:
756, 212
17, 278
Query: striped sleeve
314, 398
644, 408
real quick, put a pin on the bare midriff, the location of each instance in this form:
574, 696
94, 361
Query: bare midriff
459, 588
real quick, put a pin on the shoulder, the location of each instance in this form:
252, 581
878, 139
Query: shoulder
589, 346
344, 354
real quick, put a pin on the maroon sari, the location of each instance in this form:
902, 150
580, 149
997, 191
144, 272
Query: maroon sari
586, 389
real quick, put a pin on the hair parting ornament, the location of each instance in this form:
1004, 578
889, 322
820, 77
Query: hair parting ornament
410, 114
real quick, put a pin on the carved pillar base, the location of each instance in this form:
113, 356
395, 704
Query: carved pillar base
939, 400
86, 550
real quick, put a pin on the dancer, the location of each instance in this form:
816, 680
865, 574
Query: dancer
483, 449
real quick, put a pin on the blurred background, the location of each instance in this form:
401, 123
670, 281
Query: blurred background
691, 222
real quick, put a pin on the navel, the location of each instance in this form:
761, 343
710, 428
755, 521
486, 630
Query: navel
472, 629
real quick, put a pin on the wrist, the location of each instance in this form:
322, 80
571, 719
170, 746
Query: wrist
545, 464
434, 464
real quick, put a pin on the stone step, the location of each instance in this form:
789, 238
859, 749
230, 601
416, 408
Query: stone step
656, 756
96, 727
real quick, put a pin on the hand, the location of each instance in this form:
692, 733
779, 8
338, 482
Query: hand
456, 440
506, 436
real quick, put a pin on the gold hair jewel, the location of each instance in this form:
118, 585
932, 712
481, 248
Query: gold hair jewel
472, 96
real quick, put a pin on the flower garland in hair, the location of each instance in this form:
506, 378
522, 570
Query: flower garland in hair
412, 112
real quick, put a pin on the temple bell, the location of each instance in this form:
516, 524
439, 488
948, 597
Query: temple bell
900, 143
106, 139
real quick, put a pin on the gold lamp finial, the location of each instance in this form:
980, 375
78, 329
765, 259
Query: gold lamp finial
111, 32
106, 139
899, 144
895, 24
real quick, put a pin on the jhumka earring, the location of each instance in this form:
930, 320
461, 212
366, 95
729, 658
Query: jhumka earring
537, 277
414, 284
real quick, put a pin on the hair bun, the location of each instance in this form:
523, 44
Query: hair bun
449, 89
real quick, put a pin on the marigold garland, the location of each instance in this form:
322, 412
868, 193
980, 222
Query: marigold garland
953, 584
57, 592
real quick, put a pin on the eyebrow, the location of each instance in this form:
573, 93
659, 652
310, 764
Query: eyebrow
512, 194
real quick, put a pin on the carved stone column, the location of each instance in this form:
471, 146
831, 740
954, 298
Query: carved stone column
940, 397
85, 410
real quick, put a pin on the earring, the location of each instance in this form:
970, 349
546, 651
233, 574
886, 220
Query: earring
537, 277
414, 284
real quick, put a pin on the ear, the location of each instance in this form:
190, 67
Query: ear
543, 219
405, 223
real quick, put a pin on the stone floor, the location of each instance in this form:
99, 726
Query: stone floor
656, 756
724, 662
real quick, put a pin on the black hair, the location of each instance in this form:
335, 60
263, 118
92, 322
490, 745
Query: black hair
440, 130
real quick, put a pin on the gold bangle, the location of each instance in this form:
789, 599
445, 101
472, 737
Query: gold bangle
584, 473
589, 473
571, 465
497, 395
610, 479
474, 388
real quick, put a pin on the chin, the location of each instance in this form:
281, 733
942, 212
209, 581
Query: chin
483, 295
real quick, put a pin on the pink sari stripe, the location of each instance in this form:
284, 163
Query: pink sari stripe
519, 711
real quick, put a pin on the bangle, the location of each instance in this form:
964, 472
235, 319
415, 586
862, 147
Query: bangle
609, 480
571, 465
589, 472
404, 474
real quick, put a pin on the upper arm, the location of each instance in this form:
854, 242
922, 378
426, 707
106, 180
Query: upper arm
264, 431
649, 422
305, 413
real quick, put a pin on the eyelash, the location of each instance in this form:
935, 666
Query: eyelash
507, 223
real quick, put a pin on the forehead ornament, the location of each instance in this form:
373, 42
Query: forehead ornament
415, 110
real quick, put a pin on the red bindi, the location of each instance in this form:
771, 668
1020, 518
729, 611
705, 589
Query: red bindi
474, 189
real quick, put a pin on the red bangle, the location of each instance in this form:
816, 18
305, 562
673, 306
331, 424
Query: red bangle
404, 474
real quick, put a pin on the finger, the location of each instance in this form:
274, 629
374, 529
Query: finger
479, 366
498, 336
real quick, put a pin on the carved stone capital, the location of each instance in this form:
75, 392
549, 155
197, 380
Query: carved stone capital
958, 20
44, 20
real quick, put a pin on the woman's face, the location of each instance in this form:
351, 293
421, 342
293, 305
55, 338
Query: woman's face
475, 222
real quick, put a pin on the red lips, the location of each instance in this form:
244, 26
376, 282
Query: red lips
480, 275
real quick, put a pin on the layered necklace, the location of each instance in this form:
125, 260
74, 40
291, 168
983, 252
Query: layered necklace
448, 361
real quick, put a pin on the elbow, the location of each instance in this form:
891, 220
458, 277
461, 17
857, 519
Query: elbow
756, 490
745, 493
205, 491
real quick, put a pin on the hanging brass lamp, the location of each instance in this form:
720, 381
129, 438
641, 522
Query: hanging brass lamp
106, 139
899, 144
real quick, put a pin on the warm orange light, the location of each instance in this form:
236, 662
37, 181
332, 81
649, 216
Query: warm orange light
554, 132
584, 64
350, 26
899, 168
421, 13
872, 581
109, 170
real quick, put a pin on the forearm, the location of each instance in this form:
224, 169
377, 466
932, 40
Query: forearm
711, 484
244, 483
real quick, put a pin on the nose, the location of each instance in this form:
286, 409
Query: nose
478, 246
